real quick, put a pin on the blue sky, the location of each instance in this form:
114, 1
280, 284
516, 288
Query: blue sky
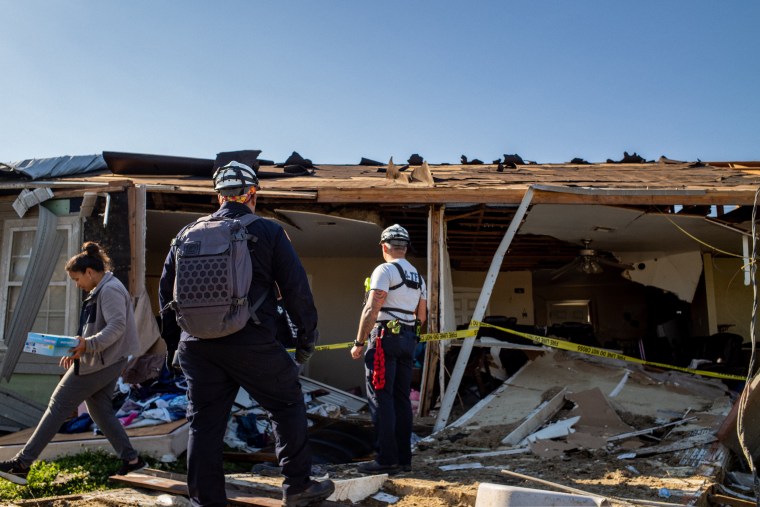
340, 80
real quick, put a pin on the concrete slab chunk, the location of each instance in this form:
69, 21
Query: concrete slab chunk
500, 495
357, 489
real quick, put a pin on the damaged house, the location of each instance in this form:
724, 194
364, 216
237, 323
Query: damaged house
647, 258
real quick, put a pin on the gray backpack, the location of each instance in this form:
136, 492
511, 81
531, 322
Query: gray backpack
213, 273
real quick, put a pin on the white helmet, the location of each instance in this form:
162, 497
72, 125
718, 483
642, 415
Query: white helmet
395, 235
235, 179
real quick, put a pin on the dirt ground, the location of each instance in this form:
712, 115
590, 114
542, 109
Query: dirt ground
642, 481
428, 486
672, 478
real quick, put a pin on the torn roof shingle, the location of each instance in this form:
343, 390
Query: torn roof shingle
56, 167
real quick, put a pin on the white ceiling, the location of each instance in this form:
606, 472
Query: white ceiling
312, 234
317, 235
615, 229
610, 229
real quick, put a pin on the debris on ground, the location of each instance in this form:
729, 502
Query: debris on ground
613, 432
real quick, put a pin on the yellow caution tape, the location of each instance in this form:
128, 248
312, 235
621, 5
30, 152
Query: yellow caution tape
595, 351
549, 342
452, 335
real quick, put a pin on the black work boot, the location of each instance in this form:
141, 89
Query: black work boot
373, 467
315, 492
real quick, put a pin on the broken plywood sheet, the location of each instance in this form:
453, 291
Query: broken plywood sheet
597, 417
157, 441
335, 396
176, 487
657, 395
538, 418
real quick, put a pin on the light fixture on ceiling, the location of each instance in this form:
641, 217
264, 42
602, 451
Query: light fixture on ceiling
589, 262
589, 266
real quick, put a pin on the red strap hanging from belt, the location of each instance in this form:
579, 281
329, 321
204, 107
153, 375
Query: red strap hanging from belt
378, 373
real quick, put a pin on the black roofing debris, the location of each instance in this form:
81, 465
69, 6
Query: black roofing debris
296, 165
513, 159
369, 161
415, 159
296, 159
510, 161
474, 161
629, 159
165, 165
247, 157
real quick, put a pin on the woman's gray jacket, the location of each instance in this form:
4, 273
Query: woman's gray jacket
107, 325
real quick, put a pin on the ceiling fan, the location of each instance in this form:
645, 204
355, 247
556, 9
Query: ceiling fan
589, 262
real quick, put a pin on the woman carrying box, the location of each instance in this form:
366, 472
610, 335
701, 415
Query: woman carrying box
107, 336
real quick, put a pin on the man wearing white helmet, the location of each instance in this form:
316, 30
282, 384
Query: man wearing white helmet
391, 319
251, 358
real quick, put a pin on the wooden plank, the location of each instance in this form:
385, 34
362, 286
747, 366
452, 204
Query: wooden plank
435, 244
158, 440
504, 195
21, 437
137, 229
554, 485
176, 487
485, 295
680, 445
709, 277
536, 419
623, 436
239, 484
716, 499
238, 492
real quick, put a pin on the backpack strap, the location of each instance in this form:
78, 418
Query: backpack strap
255, 306
247, 220
404, 281
400, 272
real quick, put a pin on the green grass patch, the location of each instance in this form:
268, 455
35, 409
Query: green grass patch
81, 473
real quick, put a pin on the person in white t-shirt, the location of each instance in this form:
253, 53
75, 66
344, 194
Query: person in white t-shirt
391, 320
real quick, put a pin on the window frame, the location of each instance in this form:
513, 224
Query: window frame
72, 225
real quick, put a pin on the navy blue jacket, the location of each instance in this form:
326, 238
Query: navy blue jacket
274, 261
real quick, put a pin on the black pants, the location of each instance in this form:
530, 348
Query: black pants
390, 406
215, 371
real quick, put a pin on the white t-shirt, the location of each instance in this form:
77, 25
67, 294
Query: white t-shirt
385, 276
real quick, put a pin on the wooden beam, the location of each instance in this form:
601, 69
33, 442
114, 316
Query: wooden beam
480, 308
718, 499
712, 308
513, 195
435, 244
554, 485
679, 445
536, 419
136, 197
176, 487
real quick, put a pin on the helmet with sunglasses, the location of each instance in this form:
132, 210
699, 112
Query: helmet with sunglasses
395, 235
234, 179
